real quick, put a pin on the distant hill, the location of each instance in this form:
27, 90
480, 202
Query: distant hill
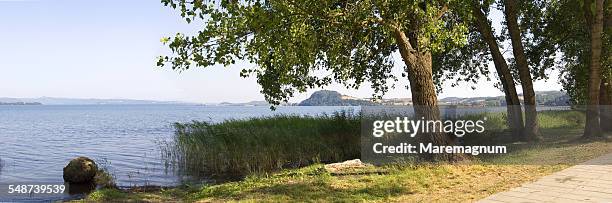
552, 98
20, 103
474, 101
333, 98
251, 103
543, 98
71, 101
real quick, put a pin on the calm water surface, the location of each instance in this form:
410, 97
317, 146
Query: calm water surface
36, 142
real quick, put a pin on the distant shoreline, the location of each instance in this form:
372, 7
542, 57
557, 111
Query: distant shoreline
20, 104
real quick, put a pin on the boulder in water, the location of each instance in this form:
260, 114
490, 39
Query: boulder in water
80, 170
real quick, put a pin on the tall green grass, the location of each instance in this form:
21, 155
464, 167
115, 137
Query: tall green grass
551, 119
571, 119
259, 145
497, 131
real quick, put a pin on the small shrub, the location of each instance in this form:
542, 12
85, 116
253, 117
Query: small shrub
104, 178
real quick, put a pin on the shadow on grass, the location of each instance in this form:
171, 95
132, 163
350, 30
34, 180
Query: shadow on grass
314, 183
325, 192
321, 192
162, 195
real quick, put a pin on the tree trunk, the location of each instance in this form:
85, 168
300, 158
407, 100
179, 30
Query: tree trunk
605, 96
531, 114
424, 98
605, 104
513, 104
592, 127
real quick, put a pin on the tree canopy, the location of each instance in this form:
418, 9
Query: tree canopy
559, 38
297, 45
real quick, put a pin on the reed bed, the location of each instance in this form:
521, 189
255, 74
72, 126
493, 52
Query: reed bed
260, 145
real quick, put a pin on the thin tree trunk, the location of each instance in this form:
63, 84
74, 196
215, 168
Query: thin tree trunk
532, 131
592, 127
424, 98
513, 104
605, 104
605, 96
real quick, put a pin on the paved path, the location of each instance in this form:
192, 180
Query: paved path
587, 182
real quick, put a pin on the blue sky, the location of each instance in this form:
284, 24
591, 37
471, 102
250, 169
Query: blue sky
107, 49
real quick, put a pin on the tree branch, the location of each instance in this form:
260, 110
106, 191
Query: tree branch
442, 11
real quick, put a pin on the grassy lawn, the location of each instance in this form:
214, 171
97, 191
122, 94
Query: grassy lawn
419, 183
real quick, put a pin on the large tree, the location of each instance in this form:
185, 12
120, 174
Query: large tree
572, 32
511, 12
470, 63
515, 115
526, 45
594, 18
298, 45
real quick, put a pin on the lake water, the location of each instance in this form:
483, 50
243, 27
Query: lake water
36, 142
